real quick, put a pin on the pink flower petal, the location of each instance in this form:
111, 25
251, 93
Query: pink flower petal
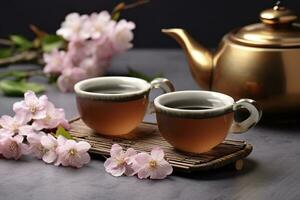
85, 158
129, 171
5, 132
109, 164
61, 140
38, 125
157, 154
6, 121
22, 118
19, 138
118, 171
130, 152
19, 106
83, 146
39, 114
70, 144
26, 130
49, 157
130, 156
30, 98
25, 149
162, 171
48, 141
143, 173
115, 150
142, 158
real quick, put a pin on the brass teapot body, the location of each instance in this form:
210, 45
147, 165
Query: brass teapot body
259, 61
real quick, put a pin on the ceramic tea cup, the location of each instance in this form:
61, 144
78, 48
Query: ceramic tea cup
197, 121
116, 105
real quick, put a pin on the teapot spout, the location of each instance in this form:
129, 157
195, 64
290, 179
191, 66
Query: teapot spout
200, 59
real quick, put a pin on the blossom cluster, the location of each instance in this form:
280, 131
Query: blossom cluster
28, 133
92, 42
142, 164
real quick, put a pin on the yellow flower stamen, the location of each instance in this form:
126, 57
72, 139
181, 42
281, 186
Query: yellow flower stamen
15, 128
120, 161
13, 146
41, 149
48, 118
72, 152
32, 109
153, 164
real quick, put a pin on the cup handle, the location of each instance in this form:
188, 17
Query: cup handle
165, 85
255, 115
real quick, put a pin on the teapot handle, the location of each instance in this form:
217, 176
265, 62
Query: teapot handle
162, 83
255, 115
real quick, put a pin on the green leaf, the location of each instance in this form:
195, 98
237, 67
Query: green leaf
6, 52
21, 42
51, 42
137, 74
61, 131
15, 74
116, 16
18, 88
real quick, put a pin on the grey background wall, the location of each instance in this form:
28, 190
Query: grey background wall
207, 20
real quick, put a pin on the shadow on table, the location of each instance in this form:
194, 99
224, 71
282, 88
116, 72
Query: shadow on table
282, 122
226, 172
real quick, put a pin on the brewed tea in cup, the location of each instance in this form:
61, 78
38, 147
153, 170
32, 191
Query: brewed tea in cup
197, 121
116, 105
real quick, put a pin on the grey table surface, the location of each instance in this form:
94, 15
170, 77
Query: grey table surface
271, 171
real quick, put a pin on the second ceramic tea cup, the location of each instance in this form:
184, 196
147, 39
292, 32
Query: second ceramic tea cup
197, 121
116, 105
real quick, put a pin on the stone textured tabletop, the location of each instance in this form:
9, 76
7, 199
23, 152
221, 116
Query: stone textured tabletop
271, 171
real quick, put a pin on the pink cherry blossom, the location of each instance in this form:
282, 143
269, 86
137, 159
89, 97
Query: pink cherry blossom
120, 161
93, 56
153, 165
73, 153
49, 145
69, 78
121, 36
15, 125
55, 62
75, 27
93, 41
61, 140
32, 106
54, 118
104, 49
77, 51
100, 24
93, 68
12, 147
35, 146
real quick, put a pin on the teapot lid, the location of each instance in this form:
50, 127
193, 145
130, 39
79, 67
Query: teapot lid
276, 30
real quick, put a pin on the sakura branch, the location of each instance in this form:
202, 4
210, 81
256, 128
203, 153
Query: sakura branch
93, 40
82, 47
30, 132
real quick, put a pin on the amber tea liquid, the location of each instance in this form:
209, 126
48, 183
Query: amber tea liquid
113, 117
194, 134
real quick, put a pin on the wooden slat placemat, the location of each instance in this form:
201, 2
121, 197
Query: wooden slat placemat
147, 136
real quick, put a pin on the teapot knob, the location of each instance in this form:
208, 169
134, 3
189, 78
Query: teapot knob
278, 15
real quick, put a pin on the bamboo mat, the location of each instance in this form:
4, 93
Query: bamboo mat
147, 136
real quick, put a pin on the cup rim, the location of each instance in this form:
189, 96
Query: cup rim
229, 101
143, 85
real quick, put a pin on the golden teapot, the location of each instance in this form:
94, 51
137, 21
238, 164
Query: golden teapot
259, 61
